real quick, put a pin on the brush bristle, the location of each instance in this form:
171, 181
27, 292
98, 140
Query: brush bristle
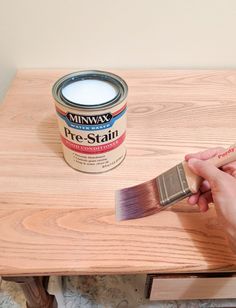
137, 201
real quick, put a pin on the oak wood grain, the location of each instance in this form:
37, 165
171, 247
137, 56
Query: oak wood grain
54, 219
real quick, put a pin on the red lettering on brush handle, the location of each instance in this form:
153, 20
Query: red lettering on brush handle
231, 150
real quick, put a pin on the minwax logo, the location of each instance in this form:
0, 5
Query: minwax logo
89, 120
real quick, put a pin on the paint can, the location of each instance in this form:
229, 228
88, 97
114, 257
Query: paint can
91, 109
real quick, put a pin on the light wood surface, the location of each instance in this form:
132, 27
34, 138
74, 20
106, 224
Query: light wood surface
182, 288
55, 220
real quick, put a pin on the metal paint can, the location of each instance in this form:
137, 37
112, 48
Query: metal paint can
92, 132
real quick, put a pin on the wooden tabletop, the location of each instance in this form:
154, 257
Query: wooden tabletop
55, 220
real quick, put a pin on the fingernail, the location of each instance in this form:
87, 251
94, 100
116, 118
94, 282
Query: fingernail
192, 161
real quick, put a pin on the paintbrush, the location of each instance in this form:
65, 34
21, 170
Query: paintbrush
166, 189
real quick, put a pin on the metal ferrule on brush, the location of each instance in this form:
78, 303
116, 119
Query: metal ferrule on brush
173, 185
168, 188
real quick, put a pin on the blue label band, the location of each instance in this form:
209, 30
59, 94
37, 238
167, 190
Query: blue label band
92, 127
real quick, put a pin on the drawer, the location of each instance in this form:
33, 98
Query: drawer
190, 286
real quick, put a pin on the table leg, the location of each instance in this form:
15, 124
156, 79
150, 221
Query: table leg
35, 292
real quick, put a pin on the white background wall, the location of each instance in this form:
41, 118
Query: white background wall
116, 33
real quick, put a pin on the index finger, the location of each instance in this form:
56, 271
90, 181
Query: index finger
203, 155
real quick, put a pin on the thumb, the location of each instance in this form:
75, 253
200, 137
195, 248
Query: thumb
206, 170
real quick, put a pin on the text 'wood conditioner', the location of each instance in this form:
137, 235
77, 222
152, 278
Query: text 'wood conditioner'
91, 109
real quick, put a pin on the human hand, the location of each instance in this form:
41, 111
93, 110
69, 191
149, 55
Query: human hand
219, 186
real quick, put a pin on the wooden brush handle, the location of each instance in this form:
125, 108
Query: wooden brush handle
221, 159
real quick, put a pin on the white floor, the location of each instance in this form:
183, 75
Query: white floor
101, 292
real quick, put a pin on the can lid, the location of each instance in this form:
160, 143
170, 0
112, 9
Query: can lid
90, 90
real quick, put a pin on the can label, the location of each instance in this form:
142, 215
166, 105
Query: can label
93, 141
